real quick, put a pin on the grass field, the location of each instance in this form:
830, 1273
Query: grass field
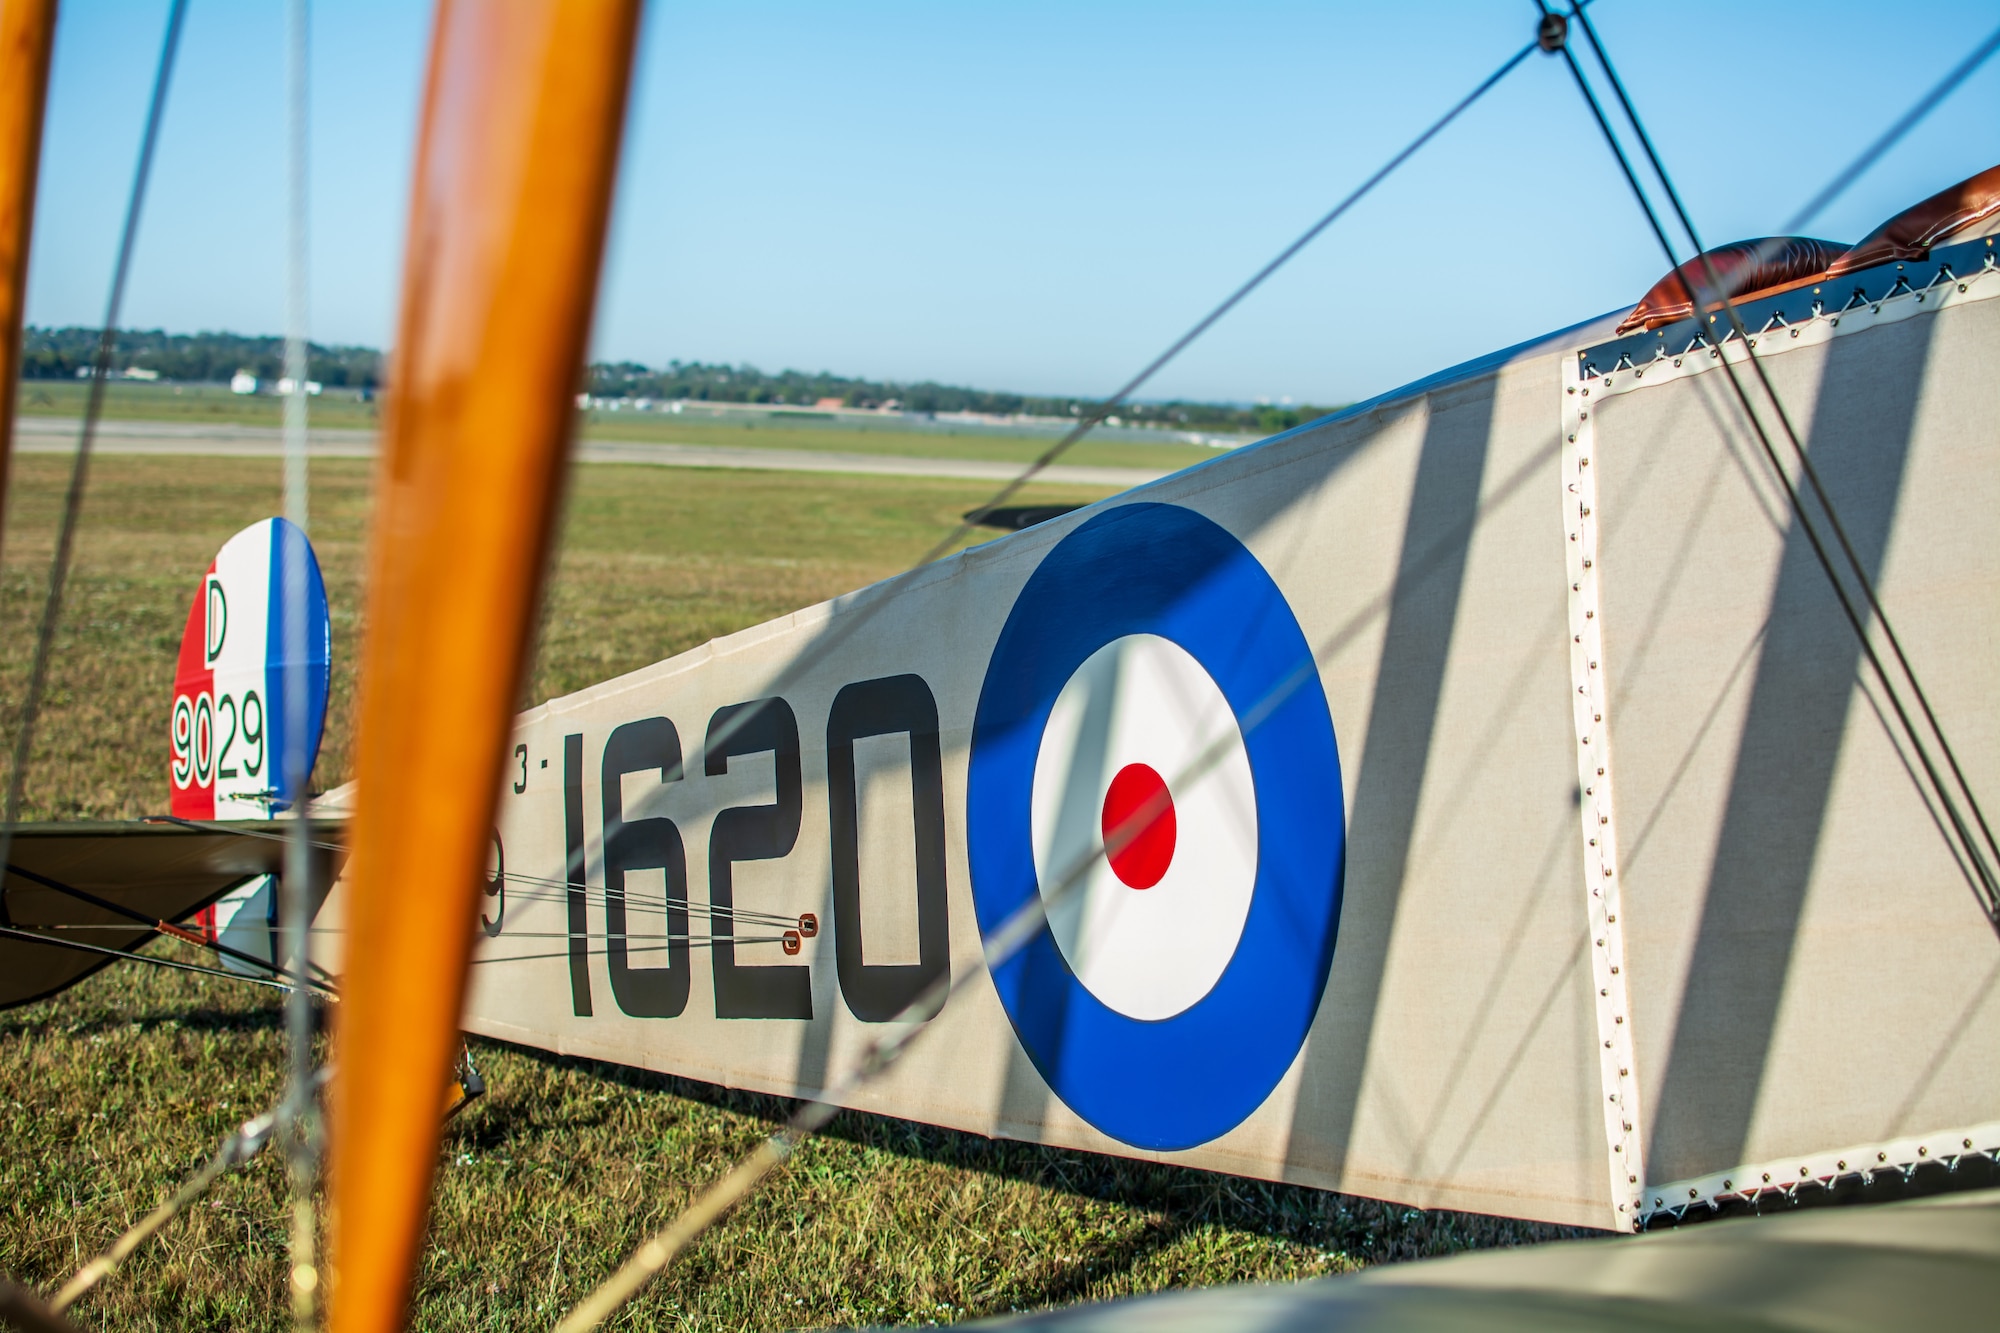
138, 401
746, 430
113, 1091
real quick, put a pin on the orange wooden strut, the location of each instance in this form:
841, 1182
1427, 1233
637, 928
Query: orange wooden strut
27, 33
523, 110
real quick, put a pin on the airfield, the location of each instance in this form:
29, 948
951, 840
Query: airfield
121, 1085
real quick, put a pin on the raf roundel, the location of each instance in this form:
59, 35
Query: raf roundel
1153, 758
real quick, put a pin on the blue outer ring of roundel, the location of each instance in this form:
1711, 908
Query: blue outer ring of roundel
1160, 569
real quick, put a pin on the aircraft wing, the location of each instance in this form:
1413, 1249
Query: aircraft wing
82, 883
1934, 1263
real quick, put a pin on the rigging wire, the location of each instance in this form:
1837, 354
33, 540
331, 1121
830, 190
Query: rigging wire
152, 960
234, 1151
903, 1029
883, 1050
846, 628
1986, 885
1873, 153
296, 1115
157, 924
674, 942
1888, 139
107, 346
545, 890
1229, 303
238, 830
715, 1202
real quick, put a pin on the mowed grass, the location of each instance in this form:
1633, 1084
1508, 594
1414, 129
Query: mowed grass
212, 403
112, 1092
895, 436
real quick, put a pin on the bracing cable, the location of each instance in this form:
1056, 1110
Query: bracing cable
245, 1143
900, 1032
153, 923
1229, 303
171, 964
1888, 139
883, 1050
1985, 880
1097, 414
719, 1198
297, 1115
107, 346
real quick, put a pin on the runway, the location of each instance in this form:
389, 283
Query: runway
57, 435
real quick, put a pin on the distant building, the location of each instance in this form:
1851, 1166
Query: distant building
829, 404
242, 382
285, 386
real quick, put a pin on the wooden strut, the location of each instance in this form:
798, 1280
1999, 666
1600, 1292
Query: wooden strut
27, 34
523, 110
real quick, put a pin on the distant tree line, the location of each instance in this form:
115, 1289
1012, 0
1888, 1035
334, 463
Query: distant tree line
215, 357
746, 384
57, 354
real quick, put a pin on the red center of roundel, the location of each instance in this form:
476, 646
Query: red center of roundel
1139, 826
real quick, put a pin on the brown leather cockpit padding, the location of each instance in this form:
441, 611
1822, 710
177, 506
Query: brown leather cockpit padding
1745, 268
1912, 232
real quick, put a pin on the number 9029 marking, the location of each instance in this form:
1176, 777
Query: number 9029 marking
197, 760
183, 736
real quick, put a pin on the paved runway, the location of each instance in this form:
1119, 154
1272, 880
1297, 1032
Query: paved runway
57, 435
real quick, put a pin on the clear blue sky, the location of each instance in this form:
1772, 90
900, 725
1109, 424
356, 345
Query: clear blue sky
1033, 196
